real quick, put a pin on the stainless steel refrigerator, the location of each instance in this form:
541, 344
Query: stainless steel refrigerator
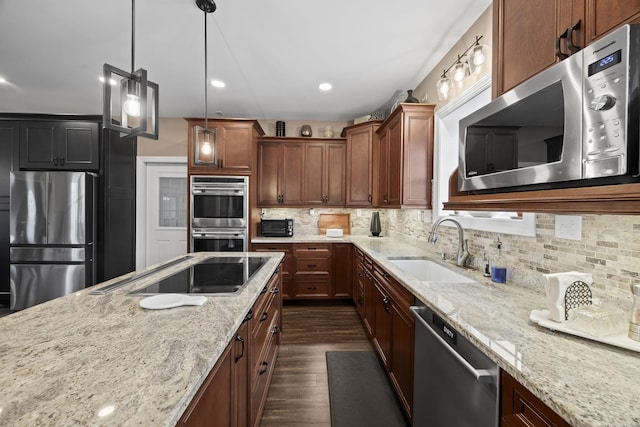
51, 235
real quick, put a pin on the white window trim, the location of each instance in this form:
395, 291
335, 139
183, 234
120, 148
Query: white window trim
525, 226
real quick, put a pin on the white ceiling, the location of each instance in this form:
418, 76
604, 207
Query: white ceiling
272, 54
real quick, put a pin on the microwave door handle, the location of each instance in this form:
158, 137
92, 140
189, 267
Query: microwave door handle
573, 47
559, 53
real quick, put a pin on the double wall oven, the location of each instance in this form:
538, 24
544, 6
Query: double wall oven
219, 213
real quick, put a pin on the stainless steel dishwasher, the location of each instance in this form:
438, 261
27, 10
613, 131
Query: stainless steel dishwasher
455, 384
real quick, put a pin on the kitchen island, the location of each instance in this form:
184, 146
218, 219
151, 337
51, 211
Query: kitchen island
103, 360
587, 383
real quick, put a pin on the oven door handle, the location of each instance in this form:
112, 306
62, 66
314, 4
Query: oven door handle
217, 192
216, 235
481, 375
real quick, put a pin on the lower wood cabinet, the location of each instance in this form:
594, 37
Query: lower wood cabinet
520, 408
314, 270
235, 390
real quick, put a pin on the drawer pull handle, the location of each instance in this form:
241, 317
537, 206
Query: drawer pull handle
264, 368
264, 290
264, 316
239, 338
275, 290
311, 288
249, 316
312, 265
276, 330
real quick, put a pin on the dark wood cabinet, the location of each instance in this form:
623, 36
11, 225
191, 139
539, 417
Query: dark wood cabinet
264, 330
63, 145
385, 313
286, 266
301, 172
237, 142
358, 281
520, 408
404, 166
223, 397
313, 270
213, 404
342, 270
360, 160
324, 173
528, 35
280, 173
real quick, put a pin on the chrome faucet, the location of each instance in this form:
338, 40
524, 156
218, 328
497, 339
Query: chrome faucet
463, 244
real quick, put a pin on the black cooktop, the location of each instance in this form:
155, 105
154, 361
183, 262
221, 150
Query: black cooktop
217, 275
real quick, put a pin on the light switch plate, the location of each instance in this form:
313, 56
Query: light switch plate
569, 227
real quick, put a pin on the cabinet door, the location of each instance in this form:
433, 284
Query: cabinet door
38, 145
269, 165
401, 364
240, 375
292, 174
524, 40
342, 270
359, 166
286, 267
369, 303
417, 152
395, 157
78, 146
382, 326
212, 405
382, 196
335, 174
314, 173
605, 15
235, 150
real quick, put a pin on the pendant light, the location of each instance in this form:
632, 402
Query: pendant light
131, 108
206, 140
469, 62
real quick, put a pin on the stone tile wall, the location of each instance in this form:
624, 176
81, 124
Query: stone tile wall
609, 249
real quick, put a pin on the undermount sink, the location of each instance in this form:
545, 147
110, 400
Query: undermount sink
428, 271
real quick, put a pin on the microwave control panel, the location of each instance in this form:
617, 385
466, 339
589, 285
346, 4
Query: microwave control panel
606, 91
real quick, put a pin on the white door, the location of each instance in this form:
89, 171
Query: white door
165, 215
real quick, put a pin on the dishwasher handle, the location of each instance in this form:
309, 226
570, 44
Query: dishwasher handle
481, 375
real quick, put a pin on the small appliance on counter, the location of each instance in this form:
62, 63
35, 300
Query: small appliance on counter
276, 227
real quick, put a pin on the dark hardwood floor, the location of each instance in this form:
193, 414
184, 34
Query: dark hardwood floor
299, 393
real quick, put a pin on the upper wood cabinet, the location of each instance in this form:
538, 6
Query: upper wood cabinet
237, 142
531, 36
360, 145
301, 172
65, 145
280, 173
404, 164
324, 173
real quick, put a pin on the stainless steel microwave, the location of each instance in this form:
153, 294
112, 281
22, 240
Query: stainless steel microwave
574, 124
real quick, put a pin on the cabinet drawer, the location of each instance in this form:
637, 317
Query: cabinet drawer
266, 293
312, 250
260, 325
312, 288
261, 373
313, 265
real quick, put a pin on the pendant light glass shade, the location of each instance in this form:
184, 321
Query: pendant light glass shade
477, 57
130, 101
206, 146
443, 87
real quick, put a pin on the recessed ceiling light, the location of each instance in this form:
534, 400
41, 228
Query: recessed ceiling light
217, 83
112, 82
325, 86
2, 80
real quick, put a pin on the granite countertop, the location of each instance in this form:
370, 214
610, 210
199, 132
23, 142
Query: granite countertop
588, 383
102, 360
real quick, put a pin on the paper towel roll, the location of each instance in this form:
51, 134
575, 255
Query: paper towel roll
556, 287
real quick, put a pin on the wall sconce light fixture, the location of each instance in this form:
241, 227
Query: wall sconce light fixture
469, 62
130, 101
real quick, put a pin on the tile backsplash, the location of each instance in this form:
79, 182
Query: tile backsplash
609, 249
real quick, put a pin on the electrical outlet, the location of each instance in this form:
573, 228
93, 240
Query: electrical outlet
358, 212
569, 227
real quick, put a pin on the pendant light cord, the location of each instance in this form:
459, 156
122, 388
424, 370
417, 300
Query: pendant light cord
133, 34
205, 74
